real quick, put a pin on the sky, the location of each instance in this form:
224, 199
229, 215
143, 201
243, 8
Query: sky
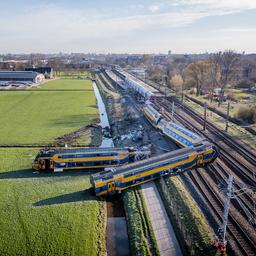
127, 26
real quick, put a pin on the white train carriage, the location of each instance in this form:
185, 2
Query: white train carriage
143, 89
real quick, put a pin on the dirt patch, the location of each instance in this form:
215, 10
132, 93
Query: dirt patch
115, 206
89, 135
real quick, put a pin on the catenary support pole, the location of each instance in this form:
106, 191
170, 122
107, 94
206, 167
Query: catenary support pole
205, 109
172, 109
227, 118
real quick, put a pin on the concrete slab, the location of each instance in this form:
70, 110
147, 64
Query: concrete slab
165, 237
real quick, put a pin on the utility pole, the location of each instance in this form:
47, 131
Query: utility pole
221, 241
205, 109
227, 118
172, 109
182, 94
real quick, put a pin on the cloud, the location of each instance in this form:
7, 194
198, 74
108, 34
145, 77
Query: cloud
54, 28
240, 30
153, 8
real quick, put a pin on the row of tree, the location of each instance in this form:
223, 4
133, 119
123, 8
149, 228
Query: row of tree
218, 71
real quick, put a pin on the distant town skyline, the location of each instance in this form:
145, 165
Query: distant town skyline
141, 26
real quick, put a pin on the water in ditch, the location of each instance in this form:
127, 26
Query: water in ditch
116, 231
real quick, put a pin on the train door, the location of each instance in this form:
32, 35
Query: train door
200, 160
47, 164
111, 187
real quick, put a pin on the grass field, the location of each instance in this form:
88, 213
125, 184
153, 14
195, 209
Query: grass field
74, 74
68, 84
31, 117
47, 214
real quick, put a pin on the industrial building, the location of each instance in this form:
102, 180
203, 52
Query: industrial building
21, 76
46, 71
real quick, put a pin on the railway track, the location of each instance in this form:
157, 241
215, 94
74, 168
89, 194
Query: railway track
235, 161
242, 165
239, 166
245, 150
227, 164
219, 173
235, 230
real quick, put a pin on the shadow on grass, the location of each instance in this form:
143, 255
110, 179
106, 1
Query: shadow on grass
79, 196
72, 121
29, 173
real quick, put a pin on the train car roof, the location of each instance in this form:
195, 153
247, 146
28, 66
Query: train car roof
83, 150
139, 82
108, 174
157, 160
183, 132
152, 160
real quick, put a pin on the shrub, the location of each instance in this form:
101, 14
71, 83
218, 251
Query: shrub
232, 96
141, 234
192, 91
247, 113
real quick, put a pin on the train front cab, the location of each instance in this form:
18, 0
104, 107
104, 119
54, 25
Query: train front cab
42, 162
203, 158
111, 188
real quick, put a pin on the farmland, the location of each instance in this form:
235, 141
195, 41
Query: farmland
38, 117
47, 214
68, 84
74, 74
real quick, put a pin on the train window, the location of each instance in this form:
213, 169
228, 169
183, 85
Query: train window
129, 183
68, 156
59, 157
80, 156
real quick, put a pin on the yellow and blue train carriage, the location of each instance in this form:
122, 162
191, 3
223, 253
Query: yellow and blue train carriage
177, 133
114, 180
85, 158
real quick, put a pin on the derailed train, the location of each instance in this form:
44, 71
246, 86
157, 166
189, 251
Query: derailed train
196, 152
114, 180
175, 132
85, 158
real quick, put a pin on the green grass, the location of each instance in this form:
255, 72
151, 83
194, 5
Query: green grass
73, 74
39, 117
47, 214
68, 84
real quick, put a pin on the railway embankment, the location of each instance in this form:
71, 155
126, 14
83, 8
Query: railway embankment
191, 227
224, 115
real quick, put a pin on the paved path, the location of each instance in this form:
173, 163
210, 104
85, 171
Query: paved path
165, 237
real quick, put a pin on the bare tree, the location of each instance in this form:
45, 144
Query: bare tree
197, 74
229, 64
214, 73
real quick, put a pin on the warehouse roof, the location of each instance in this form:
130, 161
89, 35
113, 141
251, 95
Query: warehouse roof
18, 74
41, 70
